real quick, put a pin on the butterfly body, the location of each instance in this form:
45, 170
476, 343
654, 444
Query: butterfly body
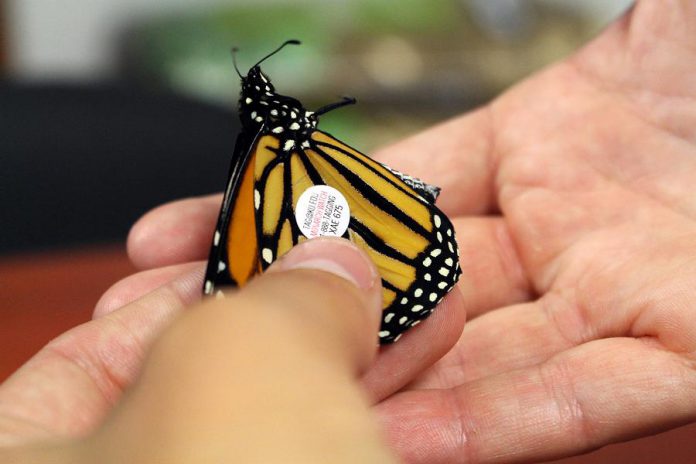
281, 154
283, 116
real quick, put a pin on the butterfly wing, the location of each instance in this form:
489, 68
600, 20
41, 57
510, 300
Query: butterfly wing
278, 178
233, 256
409, 239
392, 218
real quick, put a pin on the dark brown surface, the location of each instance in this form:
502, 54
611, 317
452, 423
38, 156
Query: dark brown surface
44, 295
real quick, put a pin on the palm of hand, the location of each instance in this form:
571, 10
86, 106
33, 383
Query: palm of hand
585, 175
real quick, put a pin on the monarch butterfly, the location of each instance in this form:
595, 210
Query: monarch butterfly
279, 155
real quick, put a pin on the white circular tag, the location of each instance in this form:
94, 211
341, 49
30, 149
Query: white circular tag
322, 211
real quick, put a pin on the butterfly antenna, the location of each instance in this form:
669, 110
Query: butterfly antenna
333, 106
287, 42
234, 61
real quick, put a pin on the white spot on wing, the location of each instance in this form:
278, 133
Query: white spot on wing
267, 255
288, 145
257, 199
216, 238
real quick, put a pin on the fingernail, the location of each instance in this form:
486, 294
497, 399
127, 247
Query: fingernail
336, 256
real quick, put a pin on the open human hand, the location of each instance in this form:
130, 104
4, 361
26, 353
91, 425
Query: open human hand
576, 220
572, 199
572, 196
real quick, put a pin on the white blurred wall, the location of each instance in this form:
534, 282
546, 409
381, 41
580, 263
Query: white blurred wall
77, 39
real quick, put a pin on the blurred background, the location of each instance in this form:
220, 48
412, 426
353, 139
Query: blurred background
109, 108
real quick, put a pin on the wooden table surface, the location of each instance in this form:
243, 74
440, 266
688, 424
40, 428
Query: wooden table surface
43, 295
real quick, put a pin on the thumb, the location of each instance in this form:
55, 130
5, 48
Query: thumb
325, 290
323, 297
269, 369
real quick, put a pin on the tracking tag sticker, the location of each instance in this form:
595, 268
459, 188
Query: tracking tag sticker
322, 211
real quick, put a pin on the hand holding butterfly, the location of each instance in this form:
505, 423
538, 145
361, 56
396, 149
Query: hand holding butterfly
572, 195
265, 375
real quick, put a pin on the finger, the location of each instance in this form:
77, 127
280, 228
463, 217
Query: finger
344, 259
137, 285
66, 388
274, 358
459, 156
176, 232
598, 393
418, 349
82, 373
492, 274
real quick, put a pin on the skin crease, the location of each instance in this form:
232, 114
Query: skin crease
572, 196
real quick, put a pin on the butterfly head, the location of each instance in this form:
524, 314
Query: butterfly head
285, 117
260, 105
256, 98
